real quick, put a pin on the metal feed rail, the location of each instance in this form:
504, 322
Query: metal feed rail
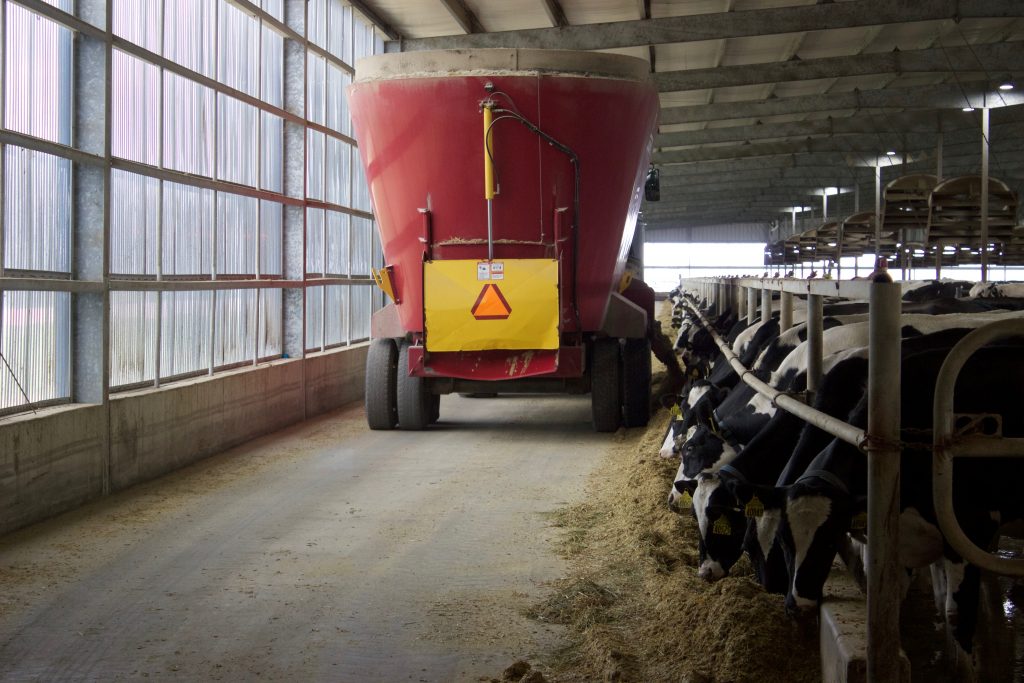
880, 441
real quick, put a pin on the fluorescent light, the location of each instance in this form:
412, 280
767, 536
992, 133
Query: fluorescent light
968, 109
1006, 86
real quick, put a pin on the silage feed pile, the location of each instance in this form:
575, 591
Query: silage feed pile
635, 608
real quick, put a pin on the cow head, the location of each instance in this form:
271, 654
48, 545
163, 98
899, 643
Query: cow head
704, 451
680, 497
722, 525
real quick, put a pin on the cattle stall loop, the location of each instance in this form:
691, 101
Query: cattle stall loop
880, 422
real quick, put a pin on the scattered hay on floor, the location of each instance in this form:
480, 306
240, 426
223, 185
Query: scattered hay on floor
635, 608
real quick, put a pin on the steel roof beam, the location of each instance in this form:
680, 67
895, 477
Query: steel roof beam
716, 26
962, 143
942, 96
991, 58
906, 122
556, 15
374, 16
463, 16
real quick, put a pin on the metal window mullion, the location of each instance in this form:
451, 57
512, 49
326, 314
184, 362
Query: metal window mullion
3, 147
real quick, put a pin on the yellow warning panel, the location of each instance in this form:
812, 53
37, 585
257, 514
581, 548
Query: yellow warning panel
481, 305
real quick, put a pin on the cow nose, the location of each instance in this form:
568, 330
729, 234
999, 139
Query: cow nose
672, 502
705, 572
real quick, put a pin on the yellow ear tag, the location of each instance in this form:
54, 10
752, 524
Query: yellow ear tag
675, 410
859, 522
686, 500
754, 508
722, 526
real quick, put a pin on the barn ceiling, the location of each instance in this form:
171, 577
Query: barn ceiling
766, 102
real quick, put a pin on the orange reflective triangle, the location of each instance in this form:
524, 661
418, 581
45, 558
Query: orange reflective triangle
491, 304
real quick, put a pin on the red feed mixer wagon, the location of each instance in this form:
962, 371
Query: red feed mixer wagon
506, 186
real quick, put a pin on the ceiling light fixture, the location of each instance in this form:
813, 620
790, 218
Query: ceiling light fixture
1006, 86
968, 109
890, 153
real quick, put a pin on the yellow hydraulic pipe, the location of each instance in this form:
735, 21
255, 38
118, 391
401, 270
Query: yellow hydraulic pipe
488, 155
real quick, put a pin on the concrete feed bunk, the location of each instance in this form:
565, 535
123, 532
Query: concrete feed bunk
503, 260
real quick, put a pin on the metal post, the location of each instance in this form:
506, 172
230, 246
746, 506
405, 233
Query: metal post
766, 304
938, 154
751, 305
794, 219
786, 312
878, 208
883, 570
984, 193
814, 342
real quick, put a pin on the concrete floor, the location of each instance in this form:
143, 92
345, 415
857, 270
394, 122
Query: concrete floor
323, 552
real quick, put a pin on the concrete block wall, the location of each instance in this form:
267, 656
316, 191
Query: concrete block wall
62, 457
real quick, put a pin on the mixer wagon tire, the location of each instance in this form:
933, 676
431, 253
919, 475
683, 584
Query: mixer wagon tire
636, 382
606, 386
413, 399
435, 408
381, 373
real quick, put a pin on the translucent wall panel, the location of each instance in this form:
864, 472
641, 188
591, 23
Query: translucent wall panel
237, 141
271, 238
316, 84
270, 332
189, 34
237, 222
337, 243
138, 21
316, 22
135, 109
35, 340
37, 211
339, 30
133, 317
188, 126
134, 221
361, 305
362, 246
336, 315
272, 152
338, 117
37, 79
234, 333
272, 75
274, 8
362, 39
315, 164
314, 317
188, 219
337, 171
314, 242
238, 62
185, 332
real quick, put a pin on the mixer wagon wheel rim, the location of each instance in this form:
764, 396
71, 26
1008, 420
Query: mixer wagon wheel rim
606, 385
380, 399
636, 382
413, 399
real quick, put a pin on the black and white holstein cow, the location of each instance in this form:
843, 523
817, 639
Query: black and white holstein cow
822, 504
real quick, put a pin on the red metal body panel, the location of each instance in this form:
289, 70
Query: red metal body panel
421, 143
566, 362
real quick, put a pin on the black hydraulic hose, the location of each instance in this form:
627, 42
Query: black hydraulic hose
575, 161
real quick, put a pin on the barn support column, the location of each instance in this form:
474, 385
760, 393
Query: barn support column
751, 305
984, 193
814, 343
883, 569
878, 209
90, 311
766, 305
785, 312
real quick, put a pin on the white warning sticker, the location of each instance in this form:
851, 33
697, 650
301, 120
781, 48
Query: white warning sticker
497, 270
483, 271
